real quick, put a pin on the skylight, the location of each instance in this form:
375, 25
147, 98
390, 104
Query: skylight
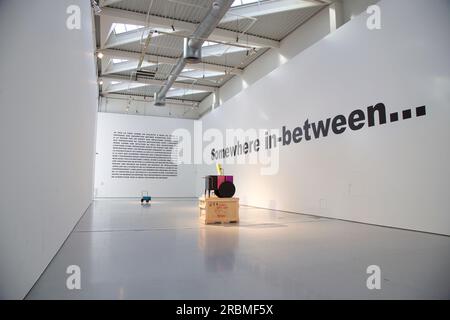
158, 31
115, 61
208, 43
184, 92
238, 3
192, 73
122, 27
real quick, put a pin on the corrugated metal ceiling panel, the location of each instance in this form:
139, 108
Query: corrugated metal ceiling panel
274, 26
164, 70
147, 91
164, 45
211, 81
185, 10
236, 59
150, 90
193, 97
161, 51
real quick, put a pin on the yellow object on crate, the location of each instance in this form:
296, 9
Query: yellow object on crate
219, 169
218, 210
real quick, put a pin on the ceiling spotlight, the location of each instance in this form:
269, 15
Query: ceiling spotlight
100, 55
100, 82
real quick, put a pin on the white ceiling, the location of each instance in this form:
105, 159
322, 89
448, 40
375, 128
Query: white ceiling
245, 33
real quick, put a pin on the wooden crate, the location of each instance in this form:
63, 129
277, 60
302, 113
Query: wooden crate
218, 210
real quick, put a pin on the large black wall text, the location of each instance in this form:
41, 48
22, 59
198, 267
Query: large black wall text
355, 120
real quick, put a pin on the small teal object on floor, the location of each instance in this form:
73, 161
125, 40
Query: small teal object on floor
145, 197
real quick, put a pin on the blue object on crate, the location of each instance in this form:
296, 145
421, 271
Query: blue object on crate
145, 197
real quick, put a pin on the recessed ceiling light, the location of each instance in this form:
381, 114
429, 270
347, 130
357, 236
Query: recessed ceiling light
100, 55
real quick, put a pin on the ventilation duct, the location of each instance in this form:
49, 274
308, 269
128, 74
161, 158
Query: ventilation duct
193, 46
190, 53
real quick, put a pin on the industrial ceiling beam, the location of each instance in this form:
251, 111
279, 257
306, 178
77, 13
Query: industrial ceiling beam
198, 74
220, 49
104, 3
182, 92
126, 38
160, 83
125, 66
265, 8
171, 101
161, 60
122, 86
186, 28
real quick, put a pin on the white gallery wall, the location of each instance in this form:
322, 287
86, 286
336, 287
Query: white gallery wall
180, 185
393, 174
48, 99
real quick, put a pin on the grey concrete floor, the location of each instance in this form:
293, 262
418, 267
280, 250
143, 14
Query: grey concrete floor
126, 251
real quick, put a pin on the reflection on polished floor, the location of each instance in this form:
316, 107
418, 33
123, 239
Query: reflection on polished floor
129, 251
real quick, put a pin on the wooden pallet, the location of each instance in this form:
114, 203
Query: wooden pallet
218, 210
